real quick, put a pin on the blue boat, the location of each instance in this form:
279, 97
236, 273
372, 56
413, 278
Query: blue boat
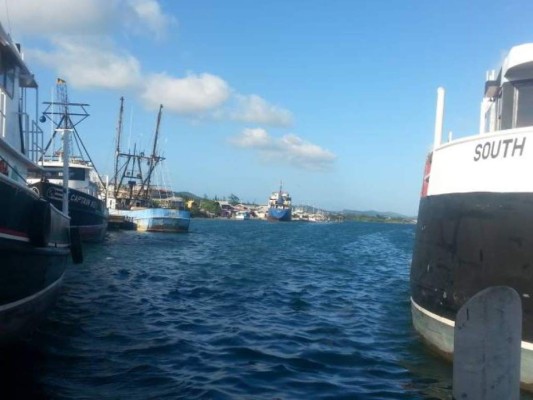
171, 220
133, 196
280, 206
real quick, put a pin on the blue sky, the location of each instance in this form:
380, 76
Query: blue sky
334, 98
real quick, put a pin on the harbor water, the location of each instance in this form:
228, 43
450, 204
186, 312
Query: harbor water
234, 310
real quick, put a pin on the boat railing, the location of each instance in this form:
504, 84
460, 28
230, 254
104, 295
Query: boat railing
58, 158
3, 100
33, 135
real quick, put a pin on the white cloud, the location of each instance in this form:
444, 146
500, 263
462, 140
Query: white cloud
290, 149
57, 16
255, 109
153, 18
86, 64
82, 49
83, 17
192, 94
253, 138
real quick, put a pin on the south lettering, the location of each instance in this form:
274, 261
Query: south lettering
500, 148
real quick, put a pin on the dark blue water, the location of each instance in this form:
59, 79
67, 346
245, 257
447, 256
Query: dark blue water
234, 310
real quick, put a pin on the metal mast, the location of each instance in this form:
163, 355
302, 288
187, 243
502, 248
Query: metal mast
64, 127
117, 150
154, 159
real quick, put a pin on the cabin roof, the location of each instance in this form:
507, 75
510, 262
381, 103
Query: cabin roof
11, 50
59, 164
519, 63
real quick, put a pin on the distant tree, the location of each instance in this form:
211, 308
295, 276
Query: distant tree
233, 199
195, 210
210, 206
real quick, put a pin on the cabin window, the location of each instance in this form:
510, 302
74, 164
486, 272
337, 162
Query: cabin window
3, 102
2, 69
9, 81
75, 174
506, 106
7, 74
524, 104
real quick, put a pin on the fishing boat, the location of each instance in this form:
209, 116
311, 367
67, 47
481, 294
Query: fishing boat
475, 219
133, 195
34, 234
279, 206
86, 190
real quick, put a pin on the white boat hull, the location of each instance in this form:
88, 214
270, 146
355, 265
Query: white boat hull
437, 333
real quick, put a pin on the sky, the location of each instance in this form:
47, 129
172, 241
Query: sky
336, 99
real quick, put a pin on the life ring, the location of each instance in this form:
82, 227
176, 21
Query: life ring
40, 223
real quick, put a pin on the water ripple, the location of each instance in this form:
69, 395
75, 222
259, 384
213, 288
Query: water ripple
236, 310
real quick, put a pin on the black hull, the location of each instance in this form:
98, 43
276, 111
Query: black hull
34, 252
87, 213
30, 280
466, 242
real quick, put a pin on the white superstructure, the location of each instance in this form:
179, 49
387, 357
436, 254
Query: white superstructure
488, 161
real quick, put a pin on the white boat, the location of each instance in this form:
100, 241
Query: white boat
242, 215
87, 208
475, 220
34, 235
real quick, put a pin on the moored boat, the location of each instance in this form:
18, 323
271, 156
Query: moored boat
87, 210
34, 235
242, 215
475, 220
86, 193
279, 206
132, 194
158, 219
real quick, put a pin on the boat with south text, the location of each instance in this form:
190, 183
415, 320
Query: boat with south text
475, 219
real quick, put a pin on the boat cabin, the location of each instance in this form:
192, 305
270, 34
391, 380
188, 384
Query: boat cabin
175, 203
280, 200
508, 98
79, 176
20, 136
